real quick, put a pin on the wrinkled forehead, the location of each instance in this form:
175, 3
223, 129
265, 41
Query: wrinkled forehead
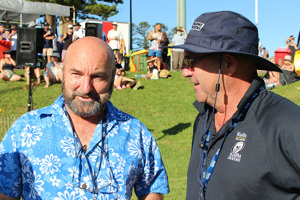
90, 61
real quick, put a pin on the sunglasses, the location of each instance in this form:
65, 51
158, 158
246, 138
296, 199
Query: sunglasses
189, 61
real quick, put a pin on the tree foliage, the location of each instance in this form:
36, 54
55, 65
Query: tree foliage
90, 7
84, 9
141, 31
139, 34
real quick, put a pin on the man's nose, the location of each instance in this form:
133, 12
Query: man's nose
86, 85
186, 72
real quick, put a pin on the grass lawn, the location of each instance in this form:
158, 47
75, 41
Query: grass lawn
164, 106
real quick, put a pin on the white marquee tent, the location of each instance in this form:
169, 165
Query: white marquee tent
26, 11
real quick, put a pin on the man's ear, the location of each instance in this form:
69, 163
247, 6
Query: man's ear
231, 64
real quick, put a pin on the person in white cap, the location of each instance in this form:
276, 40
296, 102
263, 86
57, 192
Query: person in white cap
67, 38
114, 37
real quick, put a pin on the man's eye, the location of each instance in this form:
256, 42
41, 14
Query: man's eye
75, 74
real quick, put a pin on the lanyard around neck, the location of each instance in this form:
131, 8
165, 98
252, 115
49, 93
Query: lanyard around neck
206, 172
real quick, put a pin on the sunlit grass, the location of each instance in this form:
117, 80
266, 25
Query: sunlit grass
164, 106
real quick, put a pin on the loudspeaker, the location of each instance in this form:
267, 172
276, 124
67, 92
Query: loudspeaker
30, 42
93, 29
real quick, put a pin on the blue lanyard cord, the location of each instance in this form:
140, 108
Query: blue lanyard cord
205, 175
102, 151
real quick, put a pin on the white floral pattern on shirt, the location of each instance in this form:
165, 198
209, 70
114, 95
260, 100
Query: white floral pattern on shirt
39, 152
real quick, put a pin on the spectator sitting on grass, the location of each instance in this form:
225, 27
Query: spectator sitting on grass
121, 82
151, 68
53, 72
7, 65
272, 78
288, 63
288, 74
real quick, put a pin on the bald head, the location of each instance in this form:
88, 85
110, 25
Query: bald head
90, 47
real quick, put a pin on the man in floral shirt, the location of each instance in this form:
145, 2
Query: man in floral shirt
81, 147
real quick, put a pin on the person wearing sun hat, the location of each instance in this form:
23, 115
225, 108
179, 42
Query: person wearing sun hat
178, 54
246, 140
78, 32
288, 74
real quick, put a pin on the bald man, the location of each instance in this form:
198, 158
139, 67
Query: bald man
82, 146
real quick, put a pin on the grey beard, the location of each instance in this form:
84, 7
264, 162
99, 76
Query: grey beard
96, 105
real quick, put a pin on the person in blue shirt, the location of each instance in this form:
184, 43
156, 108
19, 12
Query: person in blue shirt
81, 146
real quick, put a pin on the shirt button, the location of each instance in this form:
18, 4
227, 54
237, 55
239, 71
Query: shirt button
84, 186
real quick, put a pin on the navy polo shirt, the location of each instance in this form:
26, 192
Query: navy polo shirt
48, 43
260, 158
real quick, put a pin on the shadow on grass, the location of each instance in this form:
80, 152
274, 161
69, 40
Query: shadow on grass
175, 129
11, 89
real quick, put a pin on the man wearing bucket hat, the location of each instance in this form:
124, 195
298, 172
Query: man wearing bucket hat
246, 138
78, 32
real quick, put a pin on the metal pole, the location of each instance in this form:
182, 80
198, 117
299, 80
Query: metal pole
178, 13
30, 105
182, 14
256, 12
74, 15
130, 34
21, 20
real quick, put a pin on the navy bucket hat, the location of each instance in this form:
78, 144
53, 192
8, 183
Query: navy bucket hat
225, 32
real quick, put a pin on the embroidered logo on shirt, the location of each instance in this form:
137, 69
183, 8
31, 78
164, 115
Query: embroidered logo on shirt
197, 26
241, 136
234, 155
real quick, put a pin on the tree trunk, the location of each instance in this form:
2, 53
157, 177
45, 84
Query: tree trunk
64, 25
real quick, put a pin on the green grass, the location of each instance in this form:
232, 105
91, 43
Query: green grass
164, 106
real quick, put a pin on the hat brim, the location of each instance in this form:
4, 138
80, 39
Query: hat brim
261, 63
151, 60
288, 60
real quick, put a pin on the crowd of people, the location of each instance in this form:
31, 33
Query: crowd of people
288, 72
56, 47
54, 51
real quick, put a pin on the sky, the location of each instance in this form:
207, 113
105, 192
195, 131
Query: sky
277, 19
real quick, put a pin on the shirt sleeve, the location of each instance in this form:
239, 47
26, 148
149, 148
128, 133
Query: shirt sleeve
154, 178
10, 166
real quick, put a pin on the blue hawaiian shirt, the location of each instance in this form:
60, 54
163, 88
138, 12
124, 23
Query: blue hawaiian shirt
41, 158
